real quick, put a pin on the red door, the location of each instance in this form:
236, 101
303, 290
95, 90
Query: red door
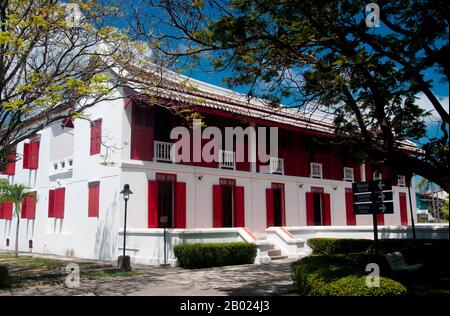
403, 208
326, 211
350, 215
310, 208
180, 205
152, 204
239, 208
269, 207
217, 205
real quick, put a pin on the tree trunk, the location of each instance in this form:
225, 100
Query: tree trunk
16, 247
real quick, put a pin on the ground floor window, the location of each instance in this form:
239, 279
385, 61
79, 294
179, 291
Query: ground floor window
228, 204
275, 204
318, 207
166, 202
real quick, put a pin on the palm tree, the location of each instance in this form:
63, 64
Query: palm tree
15, 193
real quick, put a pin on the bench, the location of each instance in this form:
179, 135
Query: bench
397, 263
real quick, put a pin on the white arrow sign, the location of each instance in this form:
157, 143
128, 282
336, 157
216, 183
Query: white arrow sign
380, 185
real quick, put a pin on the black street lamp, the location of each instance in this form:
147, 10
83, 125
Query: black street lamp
124, 261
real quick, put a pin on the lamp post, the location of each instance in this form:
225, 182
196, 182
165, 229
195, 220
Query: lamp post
124, 261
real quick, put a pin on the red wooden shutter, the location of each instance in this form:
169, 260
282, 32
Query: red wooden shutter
283, 207
403, 209
29, 207
142, 134
6, 210
152, 204
217, 206
31, 210
269, 208
93, 199
180, 205
326, 200
23, 213
309, 209
10, 168
26, 156
351, 217
33, 161
51, 203
59, 197
239, 218
380, 219
96, 137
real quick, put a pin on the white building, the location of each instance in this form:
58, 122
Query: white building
79, 211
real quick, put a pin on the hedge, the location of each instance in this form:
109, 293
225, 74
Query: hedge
324, 275
204, 255
330, 246
4, 276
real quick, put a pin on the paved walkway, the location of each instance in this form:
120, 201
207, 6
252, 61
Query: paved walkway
268, 279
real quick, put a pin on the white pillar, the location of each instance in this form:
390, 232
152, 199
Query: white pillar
363, 172
253, 148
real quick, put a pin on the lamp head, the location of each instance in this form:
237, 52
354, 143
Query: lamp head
126, 191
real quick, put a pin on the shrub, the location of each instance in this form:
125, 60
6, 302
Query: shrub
330, 246
323, 275
195, 256
4, 276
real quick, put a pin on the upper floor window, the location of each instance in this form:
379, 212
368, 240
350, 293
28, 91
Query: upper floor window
349, 174
401, 181
316, 170
9, 168
96, 137
377, 175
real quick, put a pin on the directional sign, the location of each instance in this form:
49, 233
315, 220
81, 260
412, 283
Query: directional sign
374, 208
372, 197
383, 208
371, 186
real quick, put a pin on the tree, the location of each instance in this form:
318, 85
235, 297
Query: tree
55, 62
322, 56
15, 193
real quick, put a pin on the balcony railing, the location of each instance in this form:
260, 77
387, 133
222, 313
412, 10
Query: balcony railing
226, 159
276, 165
163, 151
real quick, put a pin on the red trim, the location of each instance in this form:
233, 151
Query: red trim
217, 205
350, 215
403, 208
152, 204
248, 231
239, 207
180, 205
166, 177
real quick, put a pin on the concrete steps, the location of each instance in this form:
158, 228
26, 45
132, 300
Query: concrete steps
274, 253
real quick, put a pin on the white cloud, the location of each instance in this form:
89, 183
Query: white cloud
423, 102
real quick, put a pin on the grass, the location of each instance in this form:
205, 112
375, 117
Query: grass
108, 274
27, 270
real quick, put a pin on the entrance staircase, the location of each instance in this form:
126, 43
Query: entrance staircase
274, 252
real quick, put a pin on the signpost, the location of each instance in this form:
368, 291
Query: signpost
373, 197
